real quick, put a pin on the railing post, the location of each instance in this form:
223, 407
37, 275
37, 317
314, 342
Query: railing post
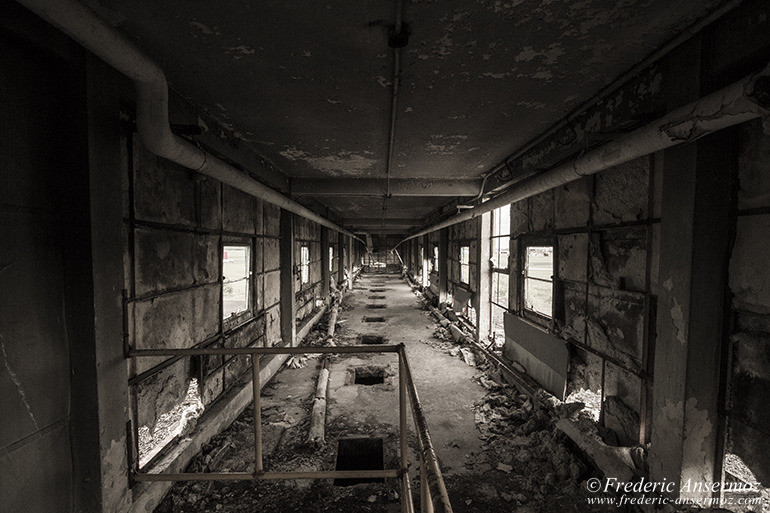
256, 402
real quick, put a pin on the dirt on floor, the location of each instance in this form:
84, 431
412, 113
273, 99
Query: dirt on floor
499, 450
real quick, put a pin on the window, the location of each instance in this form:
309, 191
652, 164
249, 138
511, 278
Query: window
465, 267
331, 258
538, 279
304, 264
236, 278
499, 251
435, 259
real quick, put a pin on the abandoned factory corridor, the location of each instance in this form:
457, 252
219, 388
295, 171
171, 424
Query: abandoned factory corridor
384, 256
486, 466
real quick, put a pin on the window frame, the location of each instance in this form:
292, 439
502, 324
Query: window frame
467, 265
236, 319
493, 268
527, 313
331, 258
304, 264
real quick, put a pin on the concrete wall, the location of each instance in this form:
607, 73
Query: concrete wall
37, 335
334, 242
464, 234
603, 229
748, 417
307, 233
177, 223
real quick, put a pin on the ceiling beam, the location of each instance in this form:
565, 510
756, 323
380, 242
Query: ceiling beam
377, 221
378, 186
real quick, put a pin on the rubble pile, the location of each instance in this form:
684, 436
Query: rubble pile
530, 456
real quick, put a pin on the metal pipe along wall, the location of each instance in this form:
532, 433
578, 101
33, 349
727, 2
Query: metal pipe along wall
85, 27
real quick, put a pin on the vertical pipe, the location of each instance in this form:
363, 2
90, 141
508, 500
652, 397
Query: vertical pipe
257, 400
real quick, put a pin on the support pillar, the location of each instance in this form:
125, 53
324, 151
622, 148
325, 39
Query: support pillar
340, 249
425, 257
696, 213
288, 270
443, 267
484, 278
350, 261
325, 271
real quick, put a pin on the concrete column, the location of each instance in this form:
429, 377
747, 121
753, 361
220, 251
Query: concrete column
325, 272
350, 261
484, 278
443, 265
696, 214
425, 257
95, 322
288, 265
340, 249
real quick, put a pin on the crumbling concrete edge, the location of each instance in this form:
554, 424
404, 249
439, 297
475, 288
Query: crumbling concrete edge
147, 496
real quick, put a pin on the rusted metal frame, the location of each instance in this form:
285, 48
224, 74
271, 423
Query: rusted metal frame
431, 469
406, 489
267, 350
133, 380
407, 504
259, 473
257, 405
637, 372
269, 476
648, 335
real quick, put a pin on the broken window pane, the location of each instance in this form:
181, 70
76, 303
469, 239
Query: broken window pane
236, 274
501, 221
304, 264
500, 252
538, 279
500, 289
465, 256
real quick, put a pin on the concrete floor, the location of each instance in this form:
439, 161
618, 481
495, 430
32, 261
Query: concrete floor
470, 454
444, 383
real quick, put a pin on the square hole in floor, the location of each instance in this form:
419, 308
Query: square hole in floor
372, 339
359, 454
374, 319
369, 376
376, 290
373, 305
375, 297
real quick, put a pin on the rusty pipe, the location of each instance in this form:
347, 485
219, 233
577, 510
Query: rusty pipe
85, 27
742, 101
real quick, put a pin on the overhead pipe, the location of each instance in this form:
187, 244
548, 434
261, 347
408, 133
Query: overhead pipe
742, 101
396, 40
101, 39
611, 88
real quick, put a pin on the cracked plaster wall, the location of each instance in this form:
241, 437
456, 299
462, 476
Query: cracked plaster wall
749, 283
307, 233
35, 345
602, 230
172, 258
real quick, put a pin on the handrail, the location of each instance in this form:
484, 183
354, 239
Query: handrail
438, 496
434, 497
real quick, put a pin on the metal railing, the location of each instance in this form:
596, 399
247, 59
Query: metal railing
433, 493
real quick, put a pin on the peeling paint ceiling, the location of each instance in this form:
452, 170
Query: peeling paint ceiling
308, 84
